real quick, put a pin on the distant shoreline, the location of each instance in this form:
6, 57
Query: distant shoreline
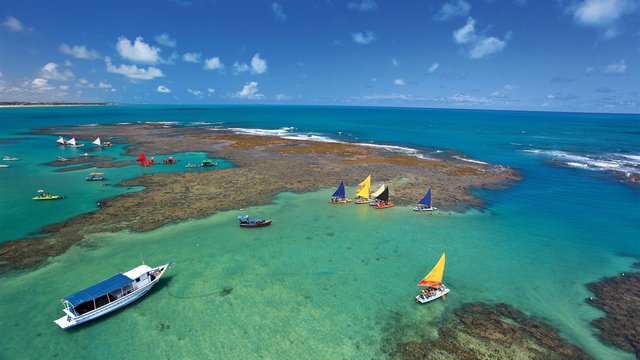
44, 104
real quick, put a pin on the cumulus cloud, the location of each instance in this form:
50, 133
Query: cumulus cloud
197, 93
363, 38
258, 65
41, 85
163, 89
433, 68
619, 68
211, 90
50, 72
602, 14
478, 46
283, 97
192, 57
14, 25
453, 9
104, 85
249, 91
240, 68
213, 63
277, 12
133, 72
79, 51
399, 82
364, 5
138, 51
166, 40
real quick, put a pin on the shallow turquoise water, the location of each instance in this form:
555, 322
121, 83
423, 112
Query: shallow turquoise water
331, 281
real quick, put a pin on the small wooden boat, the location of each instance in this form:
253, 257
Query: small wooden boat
95, 176
339, 196
72, 143
142, 160
169, 161
190, 165
47, 197
425, 203
246, 222
375, 194
433, 283
382, 200
109, 295
363, 195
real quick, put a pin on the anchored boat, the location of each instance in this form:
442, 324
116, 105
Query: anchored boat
42, 195
109, 295
95, 176
425, 203
246, 222
434, 288
339, 197
382, 200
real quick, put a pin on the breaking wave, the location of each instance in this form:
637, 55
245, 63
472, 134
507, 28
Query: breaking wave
621, 164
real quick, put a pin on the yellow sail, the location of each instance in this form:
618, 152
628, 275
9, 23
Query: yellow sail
364, 188
434, 278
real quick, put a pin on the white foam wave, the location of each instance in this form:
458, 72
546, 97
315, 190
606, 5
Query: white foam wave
626, 164
262, 132
470, 160
162, 122
123, 123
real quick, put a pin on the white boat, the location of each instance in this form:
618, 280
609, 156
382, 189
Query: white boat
109, 295
433, 283
4, 166
61, 141
9, 158
425, 203
73, 143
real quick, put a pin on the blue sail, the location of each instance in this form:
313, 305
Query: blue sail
426, 200
340, 193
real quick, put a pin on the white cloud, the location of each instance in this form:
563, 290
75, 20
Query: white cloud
138, 51
213, 64
79, 52
453, 9
363, 38
192, 57
211, 90
277, 12
486, 46
14, 25
433, 68
195, 92
467, 33
166, 40
249, 91
50, 72
399, 82
619, 68
41, 85
104, 85
394, 62
479, 46
240, 68
602, 14
133, 72
364, 5
163, 89
258, 65
63, 87
283, 97
508, 87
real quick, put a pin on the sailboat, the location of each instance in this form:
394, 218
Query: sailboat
433, 283
339, 197
61, 141
363, 195
425, 203
375, 194
382, 200
101, 143
73, 143
142, 160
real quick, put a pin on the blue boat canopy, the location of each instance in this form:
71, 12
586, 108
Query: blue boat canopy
99, 289
340, 192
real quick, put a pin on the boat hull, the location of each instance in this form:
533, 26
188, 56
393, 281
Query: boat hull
259, 223
384, 206
424, 209
342, 201
69, 320
53, 197
362, 201
425, 299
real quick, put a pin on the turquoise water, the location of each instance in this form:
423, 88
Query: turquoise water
330, 281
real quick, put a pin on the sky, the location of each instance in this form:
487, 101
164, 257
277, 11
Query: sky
554, 55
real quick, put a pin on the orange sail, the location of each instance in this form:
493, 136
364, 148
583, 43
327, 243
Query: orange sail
434, 278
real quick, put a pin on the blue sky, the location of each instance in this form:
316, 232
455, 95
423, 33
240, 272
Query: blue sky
559, 55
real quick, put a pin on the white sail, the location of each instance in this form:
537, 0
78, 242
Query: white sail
72, 142
61, 140
378, 192
97, 142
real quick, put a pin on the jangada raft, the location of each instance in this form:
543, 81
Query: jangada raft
246, 222
363, 195
433, 283
425, 203
339, 197
109, 295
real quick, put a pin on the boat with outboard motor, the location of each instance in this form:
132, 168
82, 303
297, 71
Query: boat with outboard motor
246, 222
109, 295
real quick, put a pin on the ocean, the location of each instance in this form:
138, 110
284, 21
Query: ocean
327, 281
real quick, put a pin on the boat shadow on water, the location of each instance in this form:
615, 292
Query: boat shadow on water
160, 286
